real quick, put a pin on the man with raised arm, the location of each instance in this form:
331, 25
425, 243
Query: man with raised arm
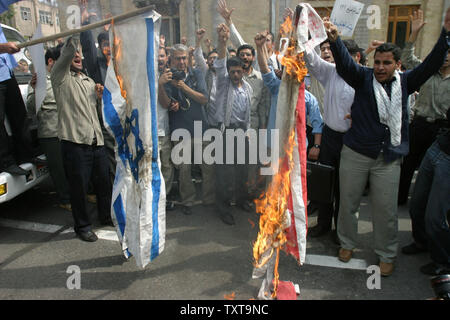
377, 140
430, 109
233, 104
78, 98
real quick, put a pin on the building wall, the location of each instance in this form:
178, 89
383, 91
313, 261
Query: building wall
28, 27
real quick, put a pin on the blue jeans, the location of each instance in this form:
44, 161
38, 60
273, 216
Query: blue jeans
430, 205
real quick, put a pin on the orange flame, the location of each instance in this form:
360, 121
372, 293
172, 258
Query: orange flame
231, 296
286, 27
117, 53
294, 63
272, 207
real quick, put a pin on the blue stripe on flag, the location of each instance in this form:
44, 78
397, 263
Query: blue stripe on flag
113, 120
4, 4
156, 177
119, 211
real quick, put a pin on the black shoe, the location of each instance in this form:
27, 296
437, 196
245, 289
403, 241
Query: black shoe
227, 218
88, 236
15, 170
225, 215
186, 210
170, 206
413, 248
317, 231
433, 269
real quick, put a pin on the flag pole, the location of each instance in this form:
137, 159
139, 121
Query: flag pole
98, 24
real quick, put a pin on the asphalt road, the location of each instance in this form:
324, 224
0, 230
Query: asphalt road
203, 259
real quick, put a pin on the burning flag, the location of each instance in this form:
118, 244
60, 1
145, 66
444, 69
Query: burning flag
129, 110
283, 220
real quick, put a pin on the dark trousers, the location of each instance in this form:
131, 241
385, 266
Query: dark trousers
53, 153
430, 205
231, 179
80, 163
330, 154
422, 134
11, 105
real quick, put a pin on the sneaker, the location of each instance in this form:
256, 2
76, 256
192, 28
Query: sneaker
414, 248
434, 269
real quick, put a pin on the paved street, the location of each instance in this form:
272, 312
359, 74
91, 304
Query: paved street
203, 259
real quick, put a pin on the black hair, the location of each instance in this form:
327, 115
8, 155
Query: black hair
231, 50
390, 47
351, 46
102, 36
52, 53
363, 59
165, 50
234, 62
246, 46
273, 37
323, 42
211, 52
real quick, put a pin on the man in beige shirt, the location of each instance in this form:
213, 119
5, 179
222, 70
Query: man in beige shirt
81, 137
47, 117
429, 112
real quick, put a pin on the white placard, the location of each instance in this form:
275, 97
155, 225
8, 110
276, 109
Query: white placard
345, 15
38, 57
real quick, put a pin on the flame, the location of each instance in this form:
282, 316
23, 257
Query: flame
294, 63
272, 206
117, 54
286, 27
231, 296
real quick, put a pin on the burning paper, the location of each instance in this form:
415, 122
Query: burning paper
129, 108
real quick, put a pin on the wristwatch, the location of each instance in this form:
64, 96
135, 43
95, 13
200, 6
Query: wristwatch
316, 146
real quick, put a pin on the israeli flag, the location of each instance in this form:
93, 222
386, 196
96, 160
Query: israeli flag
130, 113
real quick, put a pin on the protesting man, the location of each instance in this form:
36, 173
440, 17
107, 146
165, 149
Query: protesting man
233, 112
430, 109
79, 130
377, 140
183, 92
11, 104
47, 117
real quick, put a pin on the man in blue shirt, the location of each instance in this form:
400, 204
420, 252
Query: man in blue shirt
377, 141
273, 83
12, 105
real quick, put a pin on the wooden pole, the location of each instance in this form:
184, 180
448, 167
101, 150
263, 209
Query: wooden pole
88, 27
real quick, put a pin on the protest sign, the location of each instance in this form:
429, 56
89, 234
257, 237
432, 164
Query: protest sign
345, 16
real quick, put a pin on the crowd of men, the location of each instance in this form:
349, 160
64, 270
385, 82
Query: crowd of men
375, 125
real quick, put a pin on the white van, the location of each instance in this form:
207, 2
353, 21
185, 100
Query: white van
11, 186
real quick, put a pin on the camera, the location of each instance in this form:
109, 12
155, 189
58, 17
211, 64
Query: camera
441, 286
178, 75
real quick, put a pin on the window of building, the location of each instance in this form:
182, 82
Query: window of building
25, 13
399, 27
45, 17
170, 28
